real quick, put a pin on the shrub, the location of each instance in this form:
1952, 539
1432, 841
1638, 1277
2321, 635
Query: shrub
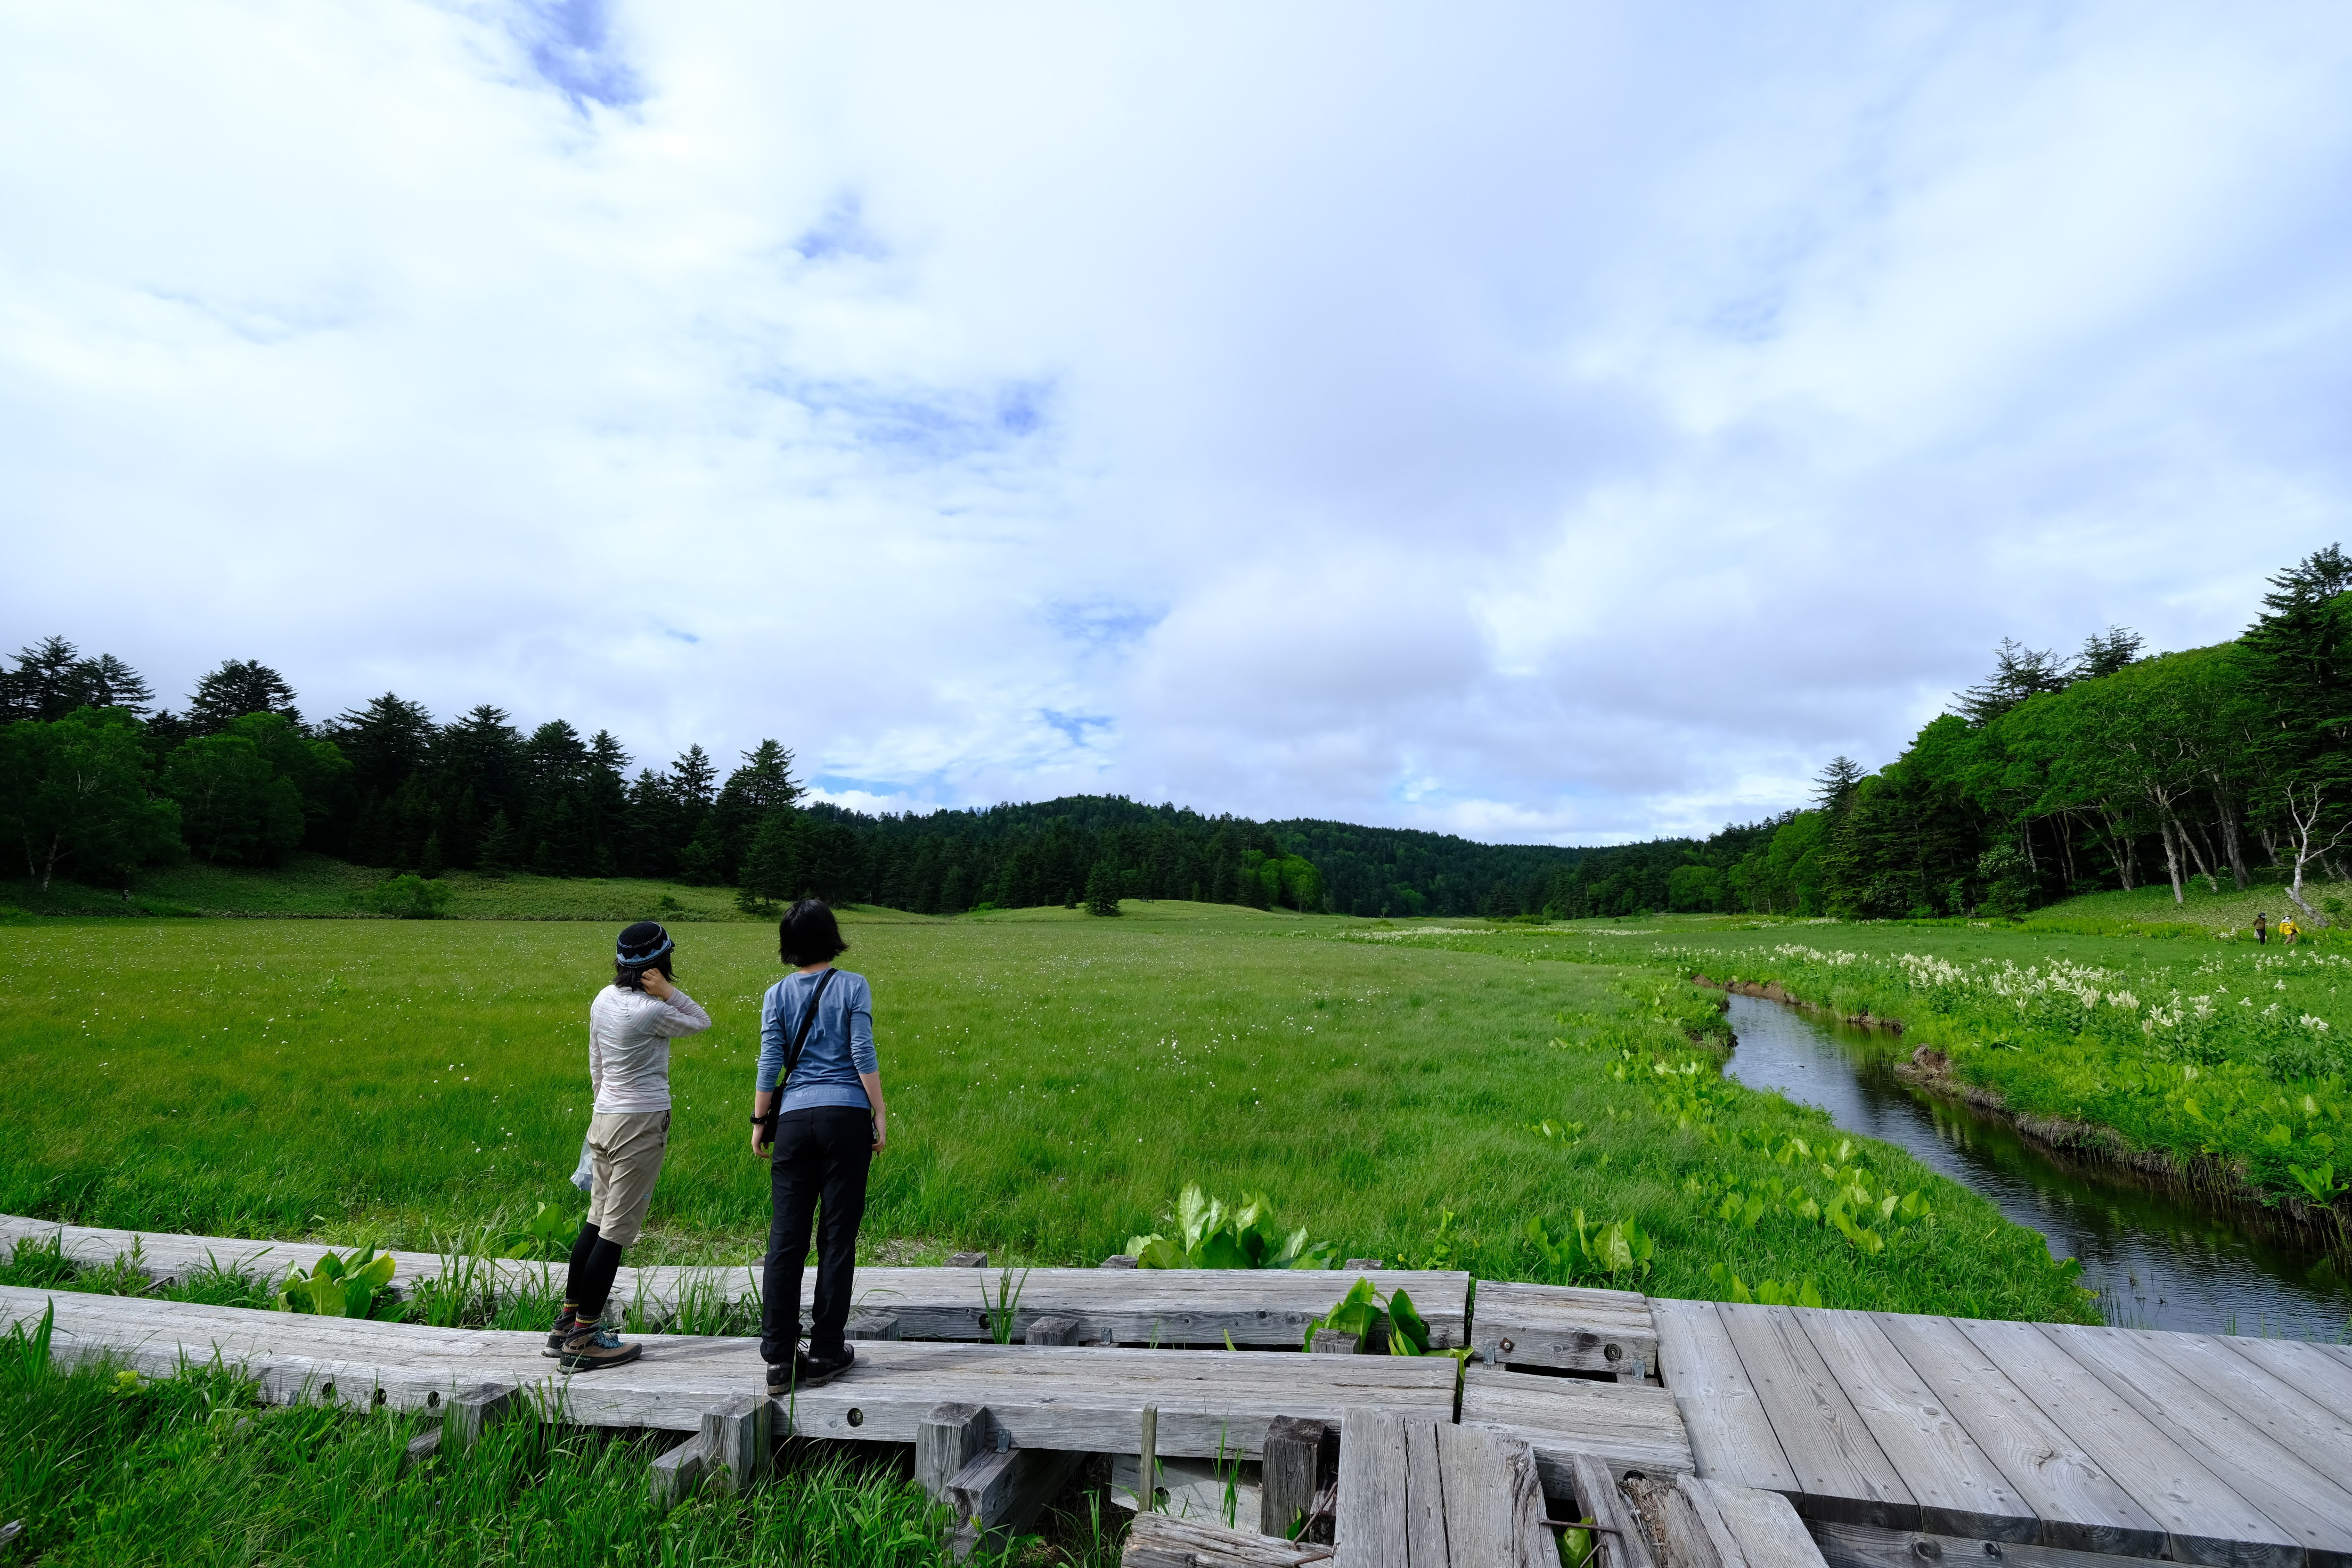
409, 897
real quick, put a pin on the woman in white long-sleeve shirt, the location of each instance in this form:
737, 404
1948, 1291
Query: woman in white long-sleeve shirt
630, 1026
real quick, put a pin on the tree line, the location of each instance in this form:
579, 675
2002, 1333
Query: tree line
2055, 775
97, 781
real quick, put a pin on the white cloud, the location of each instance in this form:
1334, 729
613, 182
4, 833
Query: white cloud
1537, 423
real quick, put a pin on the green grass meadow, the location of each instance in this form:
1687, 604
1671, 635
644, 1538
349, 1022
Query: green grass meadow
1054, 1079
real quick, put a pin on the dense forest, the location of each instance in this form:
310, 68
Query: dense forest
97, 781
2054, 776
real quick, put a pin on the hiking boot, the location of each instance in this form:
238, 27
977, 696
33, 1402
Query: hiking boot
593, 1346
565, 1321
808, 1372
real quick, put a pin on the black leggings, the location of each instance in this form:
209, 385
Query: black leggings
820, 1155
595, 1262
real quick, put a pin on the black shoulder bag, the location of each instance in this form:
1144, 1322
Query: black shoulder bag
793, 1058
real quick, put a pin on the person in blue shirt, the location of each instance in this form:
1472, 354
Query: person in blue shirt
817, 1116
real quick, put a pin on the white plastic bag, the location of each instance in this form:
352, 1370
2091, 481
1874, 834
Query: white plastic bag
584, 1178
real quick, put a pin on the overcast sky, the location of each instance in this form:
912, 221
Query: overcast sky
1552, 422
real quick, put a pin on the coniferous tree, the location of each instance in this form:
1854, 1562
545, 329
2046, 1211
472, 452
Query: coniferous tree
1102, 889
497, 856
240, 686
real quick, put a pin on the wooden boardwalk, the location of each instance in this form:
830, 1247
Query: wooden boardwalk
1908, 1438
1061, 1397
1267, 1309
1900, 1440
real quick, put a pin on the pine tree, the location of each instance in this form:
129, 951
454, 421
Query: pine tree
1102, 889
498, 853
1834, 787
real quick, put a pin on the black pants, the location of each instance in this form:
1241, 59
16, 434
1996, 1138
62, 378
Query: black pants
819, 1155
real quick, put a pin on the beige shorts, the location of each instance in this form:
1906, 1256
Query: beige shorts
627, 1148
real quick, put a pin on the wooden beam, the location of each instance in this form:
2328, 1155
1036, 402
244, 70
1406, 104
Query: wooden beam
676, 1472
996, 1495
871, 1326
736, 1436
420, 1448
945, 1440
1301, 1458
1332, 1341
474, 1412
1569, 1327
1052, 1332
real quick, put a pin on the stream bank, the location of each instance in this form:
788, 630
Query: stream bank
2157, 1256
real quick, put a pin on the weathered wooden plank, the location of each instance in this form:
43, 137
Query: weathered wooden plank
1695, 1533
2289, 1409
1959, 1490
1299, 1457
1618, 1531
1567, 1327
2204, 1520
1494, 1501
2263, 1459
1866, 1546
1730, 1437
1159, 1541
2081, 1506
1068, 1397
1424, 1495
871, 1326
1146, 1306
1373, 1528
1335, 1341
1630, 1429
2322, 1377
1842, 1471
1769, 1533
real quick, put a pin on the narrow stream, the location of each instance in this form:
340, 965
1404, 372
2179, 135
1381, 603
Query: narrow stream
2158, 1260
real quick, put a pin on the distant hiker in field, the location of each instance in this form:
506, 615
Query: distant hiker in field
630, 1026
2261, 932
817, 1116
2289, 931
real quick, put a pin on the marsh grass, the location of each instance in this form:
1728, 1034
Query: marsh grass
1055, 1082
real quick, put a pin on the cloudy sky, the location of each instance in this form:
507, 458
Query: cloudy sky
1553, 421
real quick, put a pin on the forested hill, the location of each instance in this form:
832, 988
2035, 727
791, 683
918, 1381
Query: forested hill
2054, 776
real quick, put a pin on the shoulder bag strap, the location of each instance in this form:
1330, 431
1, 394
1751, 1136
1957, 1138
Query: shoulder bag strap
792, 1057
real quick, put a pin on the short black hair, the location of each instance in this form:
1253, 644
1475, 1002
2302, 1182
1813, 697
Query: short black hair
809, 934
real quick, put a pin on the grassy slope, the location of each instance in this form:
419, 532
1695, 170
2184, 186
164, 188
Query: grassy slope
314, 885
1054, 1081
2224, 908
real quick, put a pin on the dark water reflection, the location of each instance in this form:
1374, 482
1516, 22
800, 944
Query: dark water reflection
2158, 1260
